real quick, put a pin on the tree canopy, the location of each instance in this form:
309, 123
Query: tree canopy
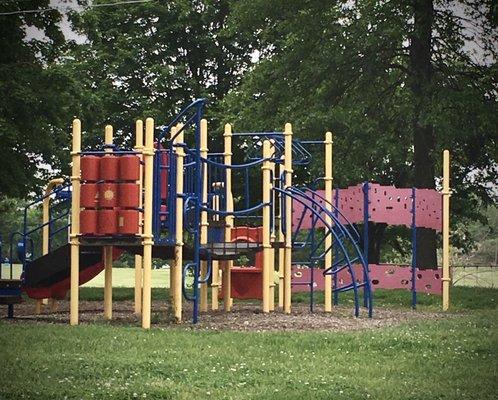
395, 81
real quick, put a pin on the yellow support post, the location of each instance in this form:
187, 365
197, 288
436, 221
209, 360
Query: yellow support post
108, 140
227, 278
328, 205
273, 235
288, 219
446, 230
148, 155
177, 278
172, 268
281, 250
266, 169
204, 217
75, 222
215, 281
139, 146
46, 236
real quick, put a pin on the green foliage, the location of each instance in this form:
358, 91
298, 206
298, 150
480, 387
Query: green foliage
152, 59
345, 66
34, 111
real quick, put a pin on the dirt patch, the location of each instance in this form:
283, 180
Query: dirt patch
244, 317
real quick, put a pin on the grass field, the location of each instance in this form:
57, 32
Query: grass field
450, 357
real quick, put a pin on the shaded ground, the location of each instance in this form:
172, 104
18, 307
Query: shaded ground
244, 317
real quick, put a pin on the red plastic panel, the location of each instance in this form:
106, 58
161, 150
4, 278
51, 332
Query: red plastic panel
384, 276
107, 222
89, 195
108, 195
90, 168
302, 276
350, 204
429, 209
88, 222
128, 222
247, 283
109, 168
391, 276
128, 195
390, 205
129, 168
164, 172
252, 235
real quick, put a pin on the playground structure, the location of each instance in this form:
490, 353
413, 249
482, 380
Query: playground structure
170, 198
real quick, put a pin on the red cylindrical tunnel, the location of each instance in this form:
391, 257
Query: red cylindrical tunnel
89, 196
109, 168
128, 222
128, 195
129, 168
107, 222
90, 166
108, 195
88, 222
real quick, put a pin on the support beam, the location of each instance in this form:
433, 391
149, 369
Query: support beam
139, 146
281, 250
328, 205
108, 140
215, 281
273, 227
204, 216
288, 220
266, 172
148, 154
178, 262
75, 223
446, 230
227, 265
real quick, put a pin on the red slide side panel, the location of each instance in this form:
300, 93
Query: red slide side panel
59, 289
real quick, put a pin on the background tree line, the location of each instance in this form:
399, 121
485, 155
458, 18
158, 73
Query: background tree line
396, 82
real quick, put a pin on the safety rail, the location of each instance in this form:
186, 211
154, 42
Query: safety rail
27, 233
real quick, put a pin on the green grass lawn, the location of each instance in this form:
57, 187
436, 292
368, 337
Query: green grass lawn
452, 357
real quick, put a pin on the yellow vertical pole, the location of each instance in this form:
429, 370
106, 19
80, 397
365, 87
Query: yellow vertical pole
328, 205
446, 230
273, 235
139, 146
227, 278
46, 236
204, 217
172, 268
288, 220
266, 169
281, 250
108, 140
75, 222
215, 281
177, 278
148, 155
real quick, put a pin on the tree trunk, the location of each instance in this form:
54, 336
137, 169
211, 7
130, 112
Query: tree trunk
423, 132
375, 238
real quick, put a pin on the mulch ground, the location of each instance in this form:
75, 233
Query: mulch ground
243, 317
